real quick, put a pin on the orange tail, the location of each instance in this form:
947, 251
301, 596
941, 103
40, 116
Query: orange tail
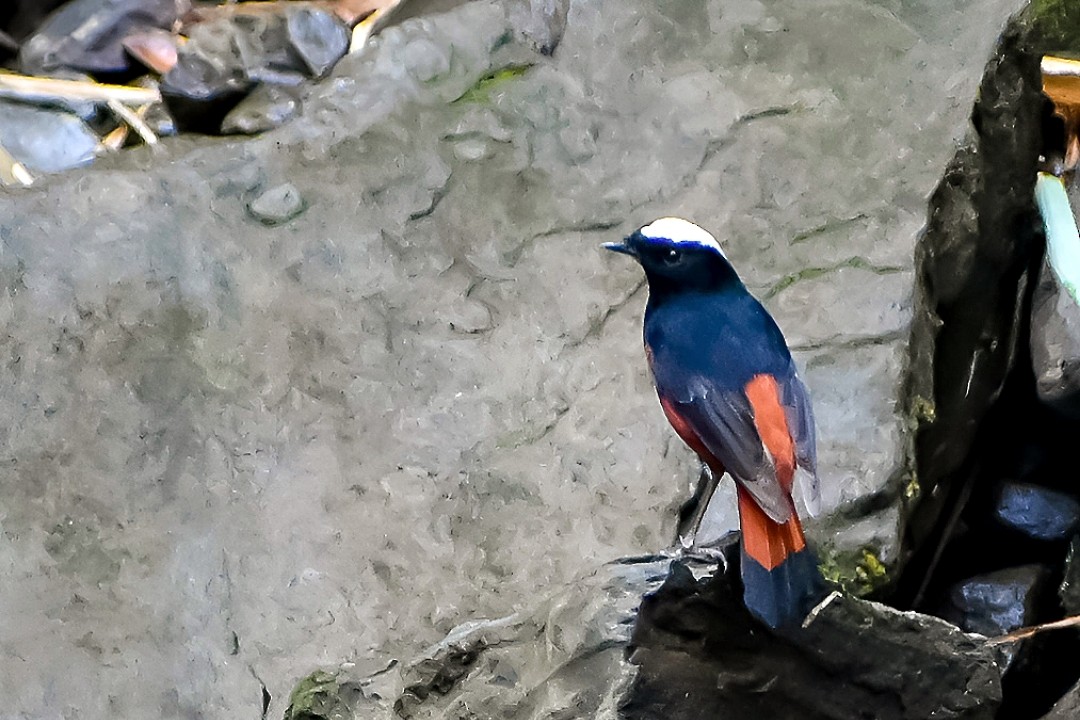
781, 579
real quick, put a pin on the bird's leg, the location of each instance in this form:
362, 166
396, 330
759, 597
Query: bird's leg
693, 510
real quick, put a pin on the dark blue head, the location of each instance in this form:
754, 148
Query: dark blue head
677, 255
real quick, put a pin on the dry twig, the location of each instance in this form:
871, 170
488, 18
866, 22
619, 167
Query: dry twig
1026, 632
134, 119
40, 89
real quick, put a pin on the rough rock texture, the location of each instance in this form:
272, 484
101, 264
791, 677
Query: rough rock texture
237, 453
853, 659
573, 655
562, 656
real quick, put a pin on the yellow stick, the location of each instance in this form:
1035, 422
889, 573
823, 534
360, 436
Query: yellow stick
37, 89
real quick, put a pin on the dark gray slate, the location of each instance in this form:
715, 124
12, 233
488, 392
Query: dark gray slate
1036, 511
277, 205
88, 35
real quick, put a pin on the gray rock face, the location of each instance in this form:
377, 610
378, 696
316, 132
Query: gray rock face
237, 453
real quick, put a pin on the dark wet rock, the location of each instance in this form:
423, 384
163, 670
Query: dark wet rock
998, 602
318, 37
88, 35
1069, 591
1067, 708
45, 140
975, 263
227, 56
277, 205
267, 107
699, 655
1036, 511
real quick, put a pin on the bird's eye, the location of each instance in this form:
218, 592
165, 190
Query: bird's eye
672, 257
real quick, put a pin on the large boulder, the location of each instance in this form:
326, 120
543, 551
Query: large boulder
237, 451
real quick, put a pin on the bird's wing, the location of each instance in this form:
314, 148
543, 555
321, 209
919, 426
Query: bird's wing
800, 420
747, 433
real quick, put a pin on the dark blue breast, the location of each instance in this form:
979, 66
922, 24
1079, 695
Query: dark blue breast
725, 337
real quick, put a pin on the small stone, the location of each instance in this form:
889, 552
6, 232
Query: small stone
997, 602
472, 148
267, 107
45, 140
1037, 511
277, 205
319, 38
1055, 343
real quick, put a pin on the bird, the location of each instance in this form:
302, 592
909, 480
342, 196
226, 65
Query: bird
730, 389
